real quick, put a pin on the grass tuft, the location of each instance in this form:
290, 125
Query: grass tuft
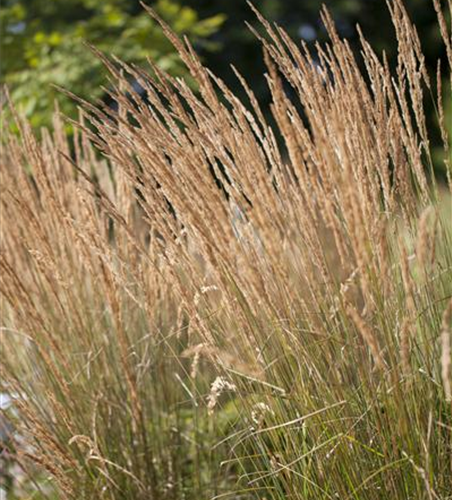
197, 304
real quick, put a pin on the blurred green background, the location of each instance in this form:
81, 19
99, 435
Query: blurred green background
41, 41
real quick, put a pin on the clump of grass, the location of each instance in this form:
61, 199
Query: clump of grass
285, 336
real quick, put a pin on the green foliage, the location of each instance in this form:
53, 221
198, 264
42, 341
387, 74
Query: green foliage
42, 45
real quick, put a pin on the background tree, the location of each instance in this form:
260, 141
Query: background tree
42, 44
